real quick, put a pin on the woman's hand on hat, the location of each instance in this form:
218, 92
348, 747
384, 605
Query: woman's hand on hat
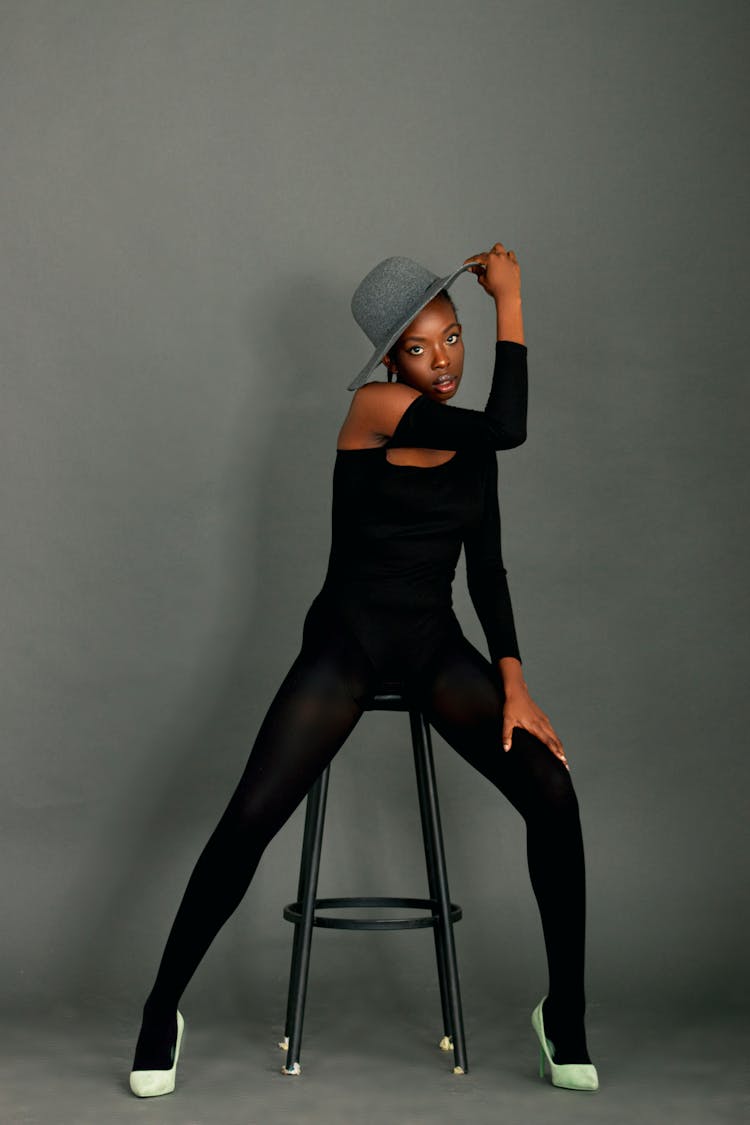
498, 273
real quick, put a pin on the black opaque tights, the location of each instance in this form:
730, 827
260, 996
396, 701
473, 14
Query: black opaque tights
313, 712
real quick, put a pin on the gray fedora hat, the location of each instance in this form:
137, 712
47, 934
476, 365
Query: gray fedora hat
387, 300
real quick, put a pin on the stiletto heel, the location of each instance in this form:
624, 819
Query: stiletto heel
568, 1076
151, 1083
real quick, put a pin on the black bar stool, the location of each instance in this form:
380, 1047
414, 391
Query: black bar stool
390, 695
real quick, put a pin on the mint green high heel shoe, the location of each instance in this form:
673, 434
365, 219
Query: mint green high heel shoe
569, 1076
151, 1083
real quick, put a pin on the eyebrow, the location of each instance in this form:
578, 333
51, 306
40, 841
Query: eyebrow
455, 324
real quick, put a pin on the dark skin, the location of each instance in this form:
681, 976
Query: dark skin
430, 350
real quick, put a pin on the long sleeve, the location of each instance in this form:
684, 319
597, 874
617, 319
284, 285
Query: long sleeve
486, 575
429, 424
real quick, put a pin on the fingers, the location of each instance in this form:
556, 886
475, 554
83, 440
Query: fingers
555, 746
483, 256
545, 734
498, 248
496, 270
553, 743
507, 734
477, 269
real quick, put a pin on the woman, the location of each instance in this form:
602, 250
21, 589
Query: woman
414, 480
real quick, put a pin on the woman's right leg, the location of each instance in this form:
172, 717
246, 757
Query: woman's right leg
463, 699
310, 717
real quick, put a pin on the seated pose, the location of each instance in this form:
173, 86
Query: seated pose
414, 479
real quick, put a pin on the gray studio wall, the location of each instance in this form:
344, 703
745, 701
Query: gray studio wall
190, 192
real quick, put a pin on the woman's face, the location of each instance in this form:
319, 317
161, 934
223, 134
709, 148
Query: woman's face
429, 356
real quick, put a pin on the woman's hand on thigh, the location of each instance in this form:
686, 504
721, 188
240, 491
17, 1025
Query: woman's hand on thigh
520, 710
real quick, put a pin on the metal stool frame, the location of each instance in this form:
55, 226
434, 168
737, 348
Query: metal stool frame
390, 696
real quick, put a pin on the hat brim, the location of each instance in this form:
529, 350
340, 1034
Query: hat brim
433, 290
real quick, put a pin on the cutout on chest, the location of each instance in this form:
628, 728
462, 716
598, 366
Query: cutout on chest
416, 458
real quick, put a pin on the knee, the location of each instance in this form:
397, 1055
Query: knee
551, 786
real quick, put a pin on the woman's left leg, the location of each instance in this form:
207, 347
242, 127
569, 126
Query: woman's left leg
463, 700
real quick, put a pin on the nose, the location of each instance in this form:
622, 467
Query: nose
441, 357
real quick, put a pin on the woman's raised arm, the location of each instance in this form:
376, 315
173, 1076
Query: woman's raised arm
407, 418
403, 416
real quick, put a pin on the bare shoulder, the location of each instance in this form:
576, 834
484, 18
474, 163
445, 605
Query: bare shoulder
379, 406
374, 413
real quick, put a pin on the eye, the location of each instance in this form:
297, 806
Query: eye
415, 349
453, 336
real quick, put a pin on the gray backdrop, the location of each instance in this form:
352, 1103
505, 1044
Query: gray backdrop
190, 192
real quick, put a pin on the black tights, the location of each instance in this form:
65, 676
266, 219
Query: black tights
310, 717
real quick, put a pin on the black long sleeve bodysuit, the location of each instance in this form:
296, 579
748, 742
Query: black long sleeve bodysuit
397, 530
385, 611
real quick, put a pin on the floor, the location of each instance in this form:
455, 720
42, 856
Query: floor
69, 1069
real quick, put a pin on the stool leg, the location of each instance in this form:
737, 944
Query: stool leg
446, 1042
422, 744
304, 875
301, 964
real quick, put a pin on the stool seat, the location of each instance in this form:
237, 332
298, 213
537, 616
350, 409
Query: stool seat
438, 912
387, 695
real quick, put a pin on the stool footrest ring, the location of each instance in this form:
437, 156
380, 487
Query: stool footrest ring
293, 913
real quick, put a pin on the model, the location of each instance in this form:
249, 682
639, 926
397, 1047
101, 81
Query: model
414, 480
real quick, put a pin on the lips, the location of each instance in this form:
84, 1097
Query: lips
445, 384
